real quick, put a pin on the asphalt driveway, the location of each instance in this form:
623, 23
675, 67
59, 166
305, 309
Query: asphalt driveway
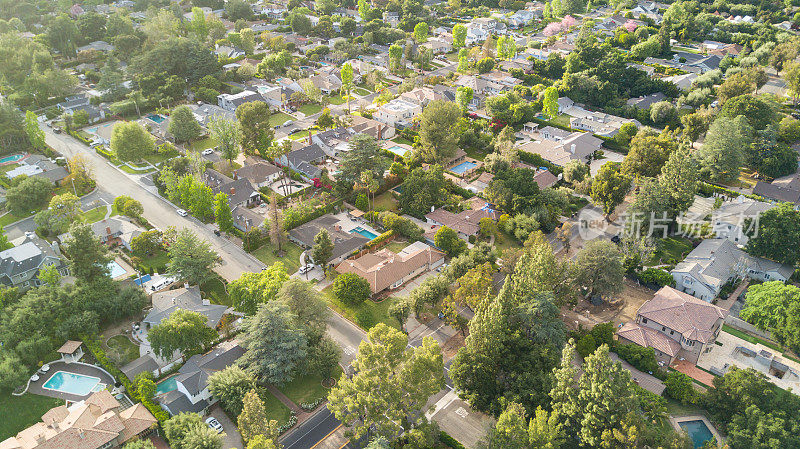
231, 438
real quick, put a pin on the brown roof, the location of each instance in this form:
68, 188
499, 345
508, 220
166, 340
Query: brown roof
649, 338
384, 268
465, 222
70, 347
545, 178
84, 425
692, 317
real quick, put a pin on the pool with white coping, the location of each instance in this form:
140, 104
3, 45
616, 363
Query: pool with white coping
115, 269
77, 384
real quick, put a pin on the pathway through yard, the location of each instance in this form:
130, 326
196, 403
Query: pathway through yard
301, 414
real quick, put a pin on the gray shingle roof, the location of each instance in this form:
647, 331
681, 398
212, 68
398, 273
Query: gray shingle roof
165, 303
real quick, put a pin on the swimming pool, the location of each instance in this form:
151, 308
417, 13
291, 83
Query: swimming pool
166, 385
158, 118
698, 432
364, 232
115, 269
72, 383
463, 167
398, 150
12, 158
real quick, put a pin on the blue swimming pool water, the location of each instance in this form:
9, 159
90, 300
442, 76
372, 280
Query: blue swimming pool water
167, 385
12, 158
115, 269
463, 167
158, 118
698, 432
364, 232
77, 384
398, 150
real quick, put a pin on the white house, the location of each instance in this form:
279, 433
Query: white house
733, 220
397, 113
230, 102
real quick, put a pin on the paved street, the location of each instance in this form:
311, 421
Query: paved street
311, 431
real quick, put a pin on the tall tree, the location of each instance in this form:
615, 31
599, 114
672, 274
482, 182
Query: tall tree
421, 32
31, 193
188, 431
191, 259
775, 234
346, 73
464, 96
648, 153
364, 155
184, 330
322, 251
439, 131
252, 289
253, 420
276, 347
308, 306
222, 213
183, 125
598, 268
228, 135
722, 153
88, 256
229, 385
34, 132
257, 134
550, 102
130, 142
276, 232
391, 384
459, 35
609, 187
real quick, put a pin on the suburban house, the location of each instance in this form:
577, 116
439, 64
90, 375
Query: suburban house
733, 220
20, 265
204, 113
303, 159
260, 174
191, 393
240, 191
185, 298
575, 146
646, 101
98, 422
385, 269
245, 219
675, 325
438, 46
717, 261
371, 127
81, 102
344, 243
398, 113
230, 102
102, 46
41, 166
786, 189
334, 141
115, 231
465, 223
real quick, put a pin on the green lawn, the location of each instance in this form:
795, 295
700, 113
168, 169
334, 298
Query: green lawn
290, 260
366, 314
396, 246
274, 407
385, 201
126, 348
97, 214
203, 144
562, 120
21, 412
157, 263
157, 158
670, 250
675, 408
132, 171
309, 109
11, 217
308, 388
361, 91
336, 99
279, 118
214, 289
402, 141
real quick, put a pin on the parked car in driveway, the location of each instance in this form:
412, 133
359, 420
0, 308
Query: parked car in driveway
305, 269
213, 424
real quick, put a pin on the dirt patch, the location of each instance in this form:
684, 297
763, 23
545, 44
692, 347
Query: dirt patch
619, 309
452, 344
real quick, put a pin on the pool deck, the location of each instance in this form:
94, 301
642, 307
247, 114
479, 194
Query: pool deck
16, 161
676, 420
76, 368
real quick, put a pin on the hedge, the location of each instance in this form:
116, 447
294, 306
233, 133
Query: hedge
386, 236
79, 137
105, 153
320, 211
707, 189
449, 441
100, 355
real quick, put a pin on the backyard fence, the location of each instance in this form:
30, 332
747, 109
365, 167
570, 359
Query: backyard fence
744, 326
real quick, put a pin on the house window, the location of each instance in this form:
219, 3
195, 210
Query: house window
672, 332
644, 320
663, 329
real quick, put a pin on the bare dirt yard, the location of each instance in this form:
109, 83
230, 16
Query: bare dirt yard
619, 309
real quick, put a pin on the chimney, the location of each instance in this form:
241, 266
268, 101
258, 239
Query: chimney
108, 230
380, 132
309, 137
233, 189
432, 208
572, 148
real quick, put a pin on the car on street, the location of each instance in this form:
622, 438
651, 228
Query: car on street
305, 269
288, 123
213, 424
182, 212
208, 151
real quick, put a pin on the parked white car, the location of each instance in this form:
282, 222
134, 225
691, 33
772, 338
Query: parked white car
213, 424
182, 212
207, 151
305, 269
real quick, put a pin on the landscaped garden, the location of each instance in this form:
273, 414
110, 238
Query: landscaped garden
279, 118
290, 259
308, 388
670, 251
214, 290
309, 109
122, 349
366, 314
274, 407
